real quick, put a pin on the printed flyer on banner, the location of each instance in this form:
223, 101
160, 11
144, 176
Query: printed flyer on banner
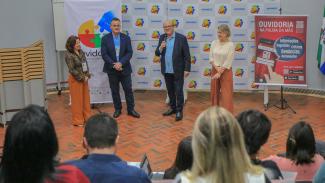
90, 21
280, 50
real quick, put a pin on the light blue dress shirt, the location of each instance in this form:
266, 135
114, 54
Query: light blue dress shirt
169, 54
117, 45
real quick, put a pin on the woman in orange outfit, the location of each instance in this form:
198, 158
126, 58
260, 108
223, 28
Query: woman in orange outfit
221, 57
78, 81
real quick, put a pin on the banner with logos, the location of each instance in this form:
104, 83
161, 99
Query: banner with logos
90, 20
142, 20
198, 20
280, 50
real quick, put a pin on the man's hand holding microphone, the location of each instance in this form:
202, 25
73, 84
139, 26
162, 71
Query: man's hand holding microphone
163, 44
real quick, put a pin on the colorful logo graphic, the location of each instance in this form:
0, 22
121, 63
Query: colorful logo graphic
124, 8
239, 47
238, 0
206, 47
206, 23
155, 35
239, 72
207, 72
190, 35
155, 9
192, 84
190, 10
222, 10
254, 86
156, 59
253, 35
139, 22
193, 59
173, 1
141, 71
88, 31
175, 23
238, 23
157, 83
141, 46
206, 1
255, 9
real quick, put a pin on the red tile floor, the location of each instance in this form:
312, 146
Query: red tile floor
158, 136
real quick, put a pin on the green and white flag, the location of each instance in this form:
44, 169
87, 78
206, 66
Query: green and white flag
321, 47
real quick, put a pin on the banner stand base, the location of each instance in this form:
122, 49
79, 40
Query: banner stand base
282, 104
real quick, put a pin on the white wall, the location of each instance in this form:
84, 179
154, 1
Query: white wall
25, 21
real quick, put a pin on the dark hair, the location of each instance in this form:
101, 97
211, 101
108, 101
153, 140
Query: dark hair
30, 147
115, 19
256, 127
301, 143
184, 158
101, 131
71, 42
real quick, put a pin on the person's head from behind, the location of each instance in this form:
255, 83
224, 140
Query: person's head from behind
256, 128
184, 156
218, 147
301, 143
101, 133
30, 147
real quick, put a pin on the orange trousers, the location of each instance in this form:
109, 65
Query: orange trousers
80, 101
222, 90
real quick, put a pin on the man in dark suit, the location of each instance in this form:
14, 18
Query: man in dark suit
174, 55
102, 165
116, 50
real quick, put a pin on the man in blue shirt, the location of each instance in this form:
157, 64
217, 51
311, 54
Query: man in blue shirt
102, 165
116, 50
175, 58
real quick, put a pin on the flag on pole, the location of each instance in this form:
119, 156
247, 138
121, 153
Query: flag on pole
321, 47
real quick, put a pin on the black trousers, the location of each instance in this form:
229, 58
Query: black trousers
175, 91
125, 80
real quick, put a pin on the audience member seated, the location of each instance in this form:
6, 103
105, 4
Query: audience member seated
320, 147
256, 128
320, 175
184, 159
300, 153
30, 150
219, 154
102, 165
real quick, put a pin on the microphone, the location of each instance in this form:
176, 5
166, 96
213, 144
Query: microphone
165, 38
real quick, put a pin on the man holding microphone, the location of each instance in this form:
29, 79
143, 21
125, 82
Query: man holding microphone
175, 62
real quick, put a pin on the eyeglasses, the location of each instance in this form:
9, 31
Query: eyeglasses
116, 25
167, 26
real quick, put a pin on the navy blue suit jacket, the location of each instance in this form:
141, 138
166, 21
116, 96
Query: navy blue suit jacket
181, 55
105, 168
109, 54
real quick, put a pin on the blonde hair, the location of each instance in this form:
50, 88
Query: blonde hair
224, 28
219, 153
168, 22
